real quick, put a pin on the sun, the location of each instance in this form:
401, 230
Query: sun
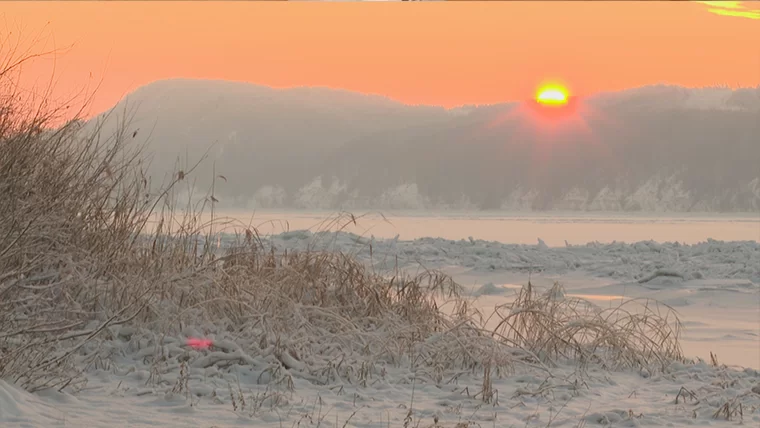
552, 95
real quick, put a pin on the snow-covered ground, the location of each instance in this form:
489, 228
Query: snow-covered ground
713, 285
685, 395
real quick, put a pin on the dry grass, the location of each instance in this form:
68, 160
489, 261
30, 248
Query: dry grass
72, 205
87, 243
637, 333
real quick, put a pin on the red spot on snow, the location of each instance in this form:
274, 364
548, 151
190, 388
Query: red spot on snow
199, 343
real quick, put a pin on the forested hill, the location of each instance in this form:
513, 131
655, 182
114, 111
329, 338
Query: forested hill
658, 148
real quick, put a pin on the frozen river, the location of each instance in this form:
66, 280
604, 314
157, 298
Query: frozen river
520, 228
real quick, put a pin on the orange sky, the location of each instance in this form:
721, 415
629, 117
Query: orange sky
435, 53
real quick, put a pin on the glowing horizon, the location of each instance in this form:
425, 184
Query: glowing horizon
441, 54
552, 95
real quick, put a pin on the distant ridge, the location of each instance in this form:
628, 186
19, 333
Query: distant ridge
655, 148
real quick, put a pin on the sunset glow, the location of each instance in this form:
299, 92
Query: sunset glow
468, 56
552, 95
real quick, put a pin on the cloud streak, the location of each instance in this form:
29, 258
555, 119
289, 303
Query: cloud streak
732, 8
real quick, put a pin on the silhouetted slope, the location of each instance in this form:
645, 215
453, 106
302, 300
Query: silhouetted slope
659, 148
